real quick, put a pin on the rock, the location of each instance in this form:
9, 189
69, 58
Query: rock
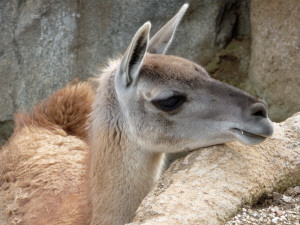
286, 199
275, 220
6, 129
275, 55
37, 51
220, 179
45, 44
293, 191
279, 212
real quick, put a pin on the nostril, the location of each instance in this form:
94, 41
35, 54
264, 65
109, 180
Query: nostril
259, 113
259, 110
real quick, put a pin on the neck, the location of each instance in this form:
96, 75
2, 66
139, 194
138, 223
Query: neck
121, 173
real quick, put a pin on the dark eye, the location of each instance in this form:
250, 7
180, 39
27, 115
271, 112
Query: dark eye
169, 104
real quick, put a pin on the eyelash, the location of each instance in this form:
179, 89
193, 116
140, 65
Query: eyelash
169, 104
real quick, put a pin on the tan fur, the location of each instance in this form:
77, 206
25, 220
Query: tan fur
117, 167
67, 109
47, 177
56, 171
42, 170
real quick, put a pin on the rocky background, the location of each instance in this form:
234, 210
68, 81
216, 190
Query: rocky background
44, 44
251, 44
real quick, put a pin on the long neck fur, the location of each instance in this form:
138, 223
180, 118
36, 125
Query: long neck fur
120, 172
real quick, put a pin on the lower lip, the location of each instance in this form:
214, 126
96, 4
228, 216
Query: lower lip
246, 135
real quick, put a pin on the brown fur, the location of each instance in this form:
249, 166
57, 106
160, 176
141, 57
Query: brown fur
43, 167
68, 109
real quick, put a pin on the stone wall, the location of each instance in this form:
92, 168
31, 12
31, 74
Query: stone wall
45, 44
275, 55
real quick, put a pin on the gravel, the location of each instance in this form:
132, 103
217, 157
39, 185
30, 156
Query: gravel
276, 209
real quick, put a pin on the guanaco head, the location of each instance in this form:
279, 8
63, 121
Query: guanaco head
171, 104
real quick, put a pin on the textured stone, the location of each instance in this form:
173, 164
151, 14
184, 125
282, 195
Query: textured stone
210, 185
6, 128
45, 44
275, 55
36, 51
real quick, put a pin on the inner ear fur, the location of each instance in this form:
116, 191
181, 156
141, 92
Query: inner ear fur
161, 41
134, 56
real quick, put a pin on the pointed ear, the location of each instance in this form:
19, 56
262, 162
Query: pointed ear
134, 56
163, 38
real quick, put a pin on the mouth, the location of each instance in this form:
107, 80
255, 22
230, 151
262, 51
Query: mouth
247, 137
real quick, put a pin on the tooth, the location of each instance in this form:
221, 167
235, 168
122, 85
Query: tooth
242, 131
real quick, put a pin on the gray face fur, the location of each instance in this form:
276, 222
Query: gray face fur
171, 104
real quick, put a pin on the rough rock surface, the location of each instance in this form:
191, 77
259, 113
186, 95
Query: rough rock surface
6, 129
275, 55
37, 55
44, 44
210, 185
280, 209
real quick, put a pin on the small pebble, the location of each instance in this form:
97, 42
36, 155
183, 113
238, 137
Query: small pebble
274, 220
279, 212
287, 199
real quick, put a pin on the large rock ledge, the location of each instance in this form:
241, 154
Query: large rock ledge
210, 185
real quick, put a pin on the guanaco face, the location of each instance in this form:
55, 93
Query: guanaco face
171, 104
